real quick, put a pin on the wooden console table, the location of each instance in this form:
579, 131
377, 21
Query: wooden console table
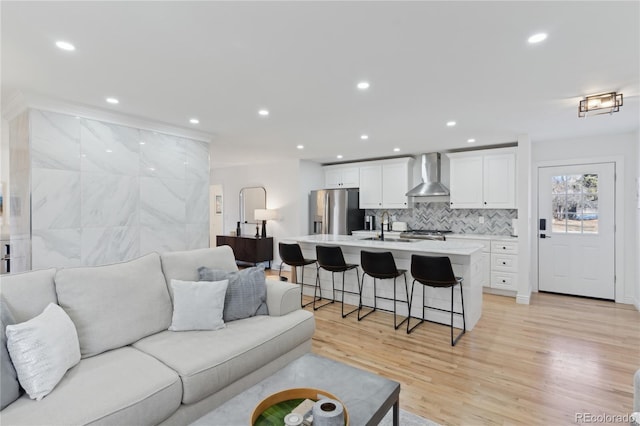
247, 248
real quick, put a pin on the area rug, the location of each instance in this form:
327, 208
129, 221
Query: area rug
406, 419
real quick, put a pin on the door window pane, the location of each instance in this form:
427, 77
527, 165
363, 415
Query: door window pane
574, 204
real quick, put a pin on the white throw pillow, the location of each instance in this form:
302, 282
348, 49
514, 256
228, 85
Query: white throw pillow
198, 305
43, 349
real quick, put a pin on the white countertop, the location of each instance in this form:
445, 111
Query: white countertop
418, 246
483, 237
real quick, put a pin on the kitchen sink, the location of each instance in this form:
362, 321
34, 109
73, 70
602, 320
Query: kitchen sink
390, 240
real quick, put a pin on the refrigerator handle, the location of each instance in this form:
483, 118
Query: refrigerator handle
325, 223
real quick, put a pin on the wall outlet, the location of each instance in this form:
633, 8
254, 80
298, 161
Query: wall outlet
481, 219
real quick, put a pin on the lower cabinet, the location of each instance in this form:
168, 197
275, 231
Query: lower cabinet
499, 261
247, 248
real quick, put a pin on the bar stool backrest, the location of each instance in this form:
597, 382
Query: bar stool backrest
433, 271
330, 257
291, 254
378, 265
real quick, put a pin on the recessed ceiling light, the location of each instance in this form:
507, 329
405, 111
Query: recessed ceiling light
339, 156
363, 85
471, 140
65, 45
263, 112
113, 101
364, 137
194, 121
451, 123
153, 169
537, 38
109, 150
396, 149
300, 146
142, 142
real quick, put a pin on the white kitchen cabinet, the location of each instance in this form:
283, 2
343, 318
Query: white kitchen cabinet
341, 177
371, 188
483, 179
384, 183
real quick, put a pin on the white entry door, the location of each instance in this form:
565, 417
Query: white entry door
576, 235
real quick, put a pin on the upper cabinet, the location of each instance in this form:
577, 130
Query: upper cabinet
341, 177
384, 183
483, 179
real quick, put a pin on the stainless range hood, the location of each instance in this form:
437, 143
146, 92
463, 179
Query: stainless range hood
430, 185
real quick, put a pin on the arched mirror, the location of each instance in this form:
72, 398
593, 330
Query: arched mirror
252, 198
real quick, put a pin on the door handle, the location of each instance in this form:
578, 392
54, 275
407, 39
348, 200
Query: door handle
544, 236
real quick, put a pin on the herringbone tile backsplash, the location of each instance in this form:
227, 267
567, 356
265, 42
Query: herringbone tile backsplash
438, 215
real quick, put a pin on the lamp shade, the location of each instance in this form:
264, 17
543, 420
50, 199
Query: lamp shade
265, 214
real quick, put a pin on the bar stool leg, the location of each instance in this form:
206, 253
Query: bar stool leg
315, 308
464, 324
396, 325
353, 310
373, 308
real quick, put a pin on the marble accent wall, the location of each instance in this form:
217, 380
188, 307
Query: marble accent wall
105, 193
19, 191
438, 215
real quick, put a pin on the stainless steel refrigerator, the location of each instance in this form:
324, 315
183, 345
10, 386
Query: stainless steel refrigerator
335, 211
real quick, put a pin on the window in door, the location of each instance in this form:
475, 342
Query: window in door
575, 204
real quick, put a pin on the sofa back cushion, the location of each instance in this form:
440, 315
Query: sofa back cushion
183, 265
115, 305
28, 293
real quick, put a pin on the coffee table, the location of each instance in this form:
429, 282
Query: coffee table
368, 397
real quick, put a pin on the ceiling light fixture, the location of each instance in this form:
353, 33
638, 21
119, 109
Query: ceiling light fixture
604, 103
65, 45
339, 156
142, 142
263, 112
471, 140
537, 38
363, 85
396, 149
300, 146
113, 101
364, 137
194, 121
451, 123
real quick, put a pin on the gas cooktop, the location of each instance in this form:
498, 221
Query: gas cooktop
426, 234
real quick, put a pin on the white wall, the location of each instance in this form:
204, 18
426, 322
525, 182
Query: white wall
623, 147
287, 183
637, 188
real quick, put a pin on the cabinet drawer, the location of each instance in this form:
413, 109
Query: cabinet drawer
508, 247
503, 281
504, 262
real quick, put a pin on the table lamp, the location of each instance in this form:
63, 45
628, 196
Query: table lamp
264, 215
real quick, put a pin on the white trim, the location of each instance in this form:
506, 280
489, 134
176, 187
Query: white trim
619, 236
21, 101
523, 299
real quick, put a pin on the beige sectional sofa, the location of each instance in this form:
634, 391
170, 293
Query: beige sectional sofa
135, 372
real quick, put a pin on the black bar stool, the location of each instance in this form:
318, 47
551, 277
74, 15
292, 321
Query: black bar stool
381, 266
330, 258
435, 272
291, 254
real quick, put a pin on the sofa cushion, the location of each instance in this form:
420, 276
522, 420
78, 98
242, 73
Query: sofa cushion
207, 361
119, 387
115, 305
9, 386
43, 349
28, 293
183, 265
198, 305
246, 294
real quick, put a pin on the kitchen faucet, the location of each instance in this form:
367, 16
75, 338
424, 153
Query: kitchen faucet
382, 224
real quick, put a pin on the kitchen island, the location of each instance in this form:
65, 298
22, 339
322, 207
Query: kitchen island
465, 259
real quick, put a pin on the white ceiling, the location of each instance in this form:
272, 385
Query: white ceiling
427, 62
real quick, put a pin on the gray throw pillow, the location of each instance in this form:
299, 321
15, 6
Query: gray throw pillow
9, 386
246, 293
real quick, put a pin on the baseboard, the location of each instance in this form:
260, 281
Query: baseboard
523, 299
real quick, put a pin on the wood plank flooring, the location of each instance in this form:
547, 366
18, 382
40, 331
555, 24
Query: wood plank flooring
522, 364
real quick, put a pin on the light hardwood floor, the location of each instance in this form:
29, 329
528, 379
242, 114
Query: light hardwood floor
522, 364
